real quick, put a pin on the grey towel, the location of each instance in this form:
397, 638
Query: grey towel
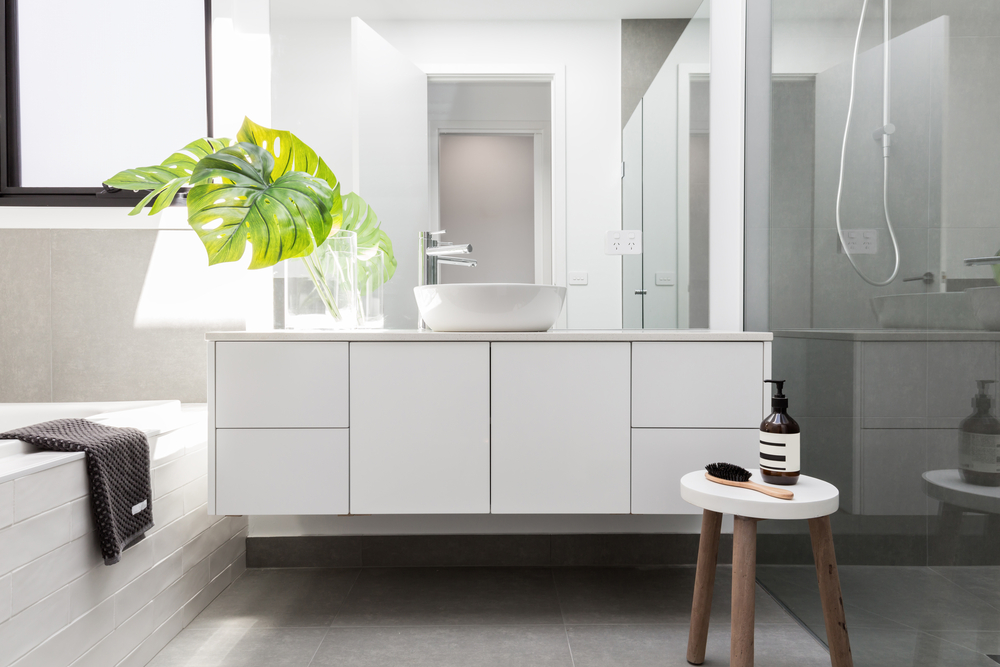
118, 468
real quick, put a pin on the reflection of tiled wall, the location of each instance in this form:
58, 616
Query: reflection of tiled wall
68, 328
878, 410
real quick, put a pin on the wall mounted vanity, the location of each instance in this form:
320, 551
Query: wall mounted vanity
406, 422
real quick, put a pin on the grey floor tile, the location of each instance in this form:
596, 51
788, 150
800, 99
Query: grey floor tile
648, 595
451, 596
280, 598
438, 646
882, 647
983, 582
241, 647
982, 642
666, 645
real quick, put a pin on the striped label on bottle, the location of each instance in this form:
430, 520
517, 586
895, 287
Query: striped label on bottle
779, 452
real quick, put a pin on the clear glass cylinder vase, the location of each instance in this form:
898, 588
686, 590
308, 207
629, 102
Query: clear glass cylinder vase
371, 282
321, 290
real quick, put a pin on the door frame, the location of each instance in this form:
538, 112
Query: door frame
555, 75
686, 74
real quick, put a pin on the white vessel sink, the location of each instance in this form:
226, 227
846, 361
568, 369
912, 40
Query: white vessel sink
934, 310
986, 306
490, 306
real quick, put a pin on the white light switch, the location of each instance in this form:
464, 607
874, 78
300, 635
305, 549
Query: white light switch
666, 279
623, 242
577, 277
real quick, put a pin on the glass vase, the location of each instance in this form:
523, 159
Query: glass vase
371, 280
321, 290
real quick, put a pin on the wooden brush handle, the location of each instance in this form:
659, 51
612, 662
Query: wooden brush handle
783, 494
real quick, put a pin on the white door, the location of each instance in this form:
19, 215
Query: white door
420, 428
560, 440
390, 156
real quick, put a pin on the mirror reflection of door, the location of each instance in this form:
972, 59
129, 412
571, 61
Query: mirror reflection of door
490, 176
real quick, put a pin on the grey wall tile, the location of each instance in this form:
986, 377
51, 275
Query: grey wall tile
25, 325
98, 353
791, 278
646, 43
455, 550
895, 379
304, 551
894, 460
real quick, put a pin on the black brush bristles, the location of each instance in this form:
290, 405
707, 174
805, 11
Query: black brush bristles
728, 471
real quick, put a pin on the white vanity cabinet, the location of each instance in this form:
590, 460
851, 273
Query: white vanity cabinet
560, 441
406, 422
420, 428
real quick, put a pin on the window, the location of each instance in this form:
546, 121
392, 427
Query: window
90, 91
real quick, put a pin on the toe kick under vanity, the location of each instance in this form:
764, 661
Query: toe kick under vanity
407, 422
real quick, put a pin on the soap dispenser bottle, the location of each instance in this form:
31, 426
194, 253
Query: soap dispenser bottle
779, 442
979, 442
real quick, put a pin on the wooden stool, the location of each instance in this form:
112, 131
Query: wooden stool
815, 500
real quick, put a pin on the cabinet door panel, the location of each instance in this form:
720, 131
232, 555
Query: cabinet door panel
282, 471
286, 384
560, 438
661, 456
420, 428
697, 384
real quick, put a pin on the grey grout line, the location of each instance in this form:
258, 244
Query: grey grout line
333, 621
562, 615
963, 588
318, 647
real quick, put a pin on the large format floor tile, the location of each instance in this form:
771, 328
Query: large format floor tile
446, 646
241, 647
280, 598
451, 596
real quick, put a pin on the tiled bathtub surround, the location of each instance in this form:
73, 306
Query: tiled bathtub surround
60, 605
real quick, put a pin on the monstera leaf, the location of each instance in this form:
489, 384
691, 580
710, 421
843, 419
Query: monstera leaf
361, 219
289, 152
234, 199
168, 177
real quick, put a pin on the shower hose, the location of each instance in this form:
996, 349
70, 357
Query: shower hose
885, 152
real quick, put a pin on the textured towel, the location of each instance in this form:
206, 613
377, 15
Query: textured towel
118, 468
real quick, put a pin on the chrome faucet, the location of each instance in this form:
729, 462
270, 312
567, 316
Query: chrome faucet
433, 252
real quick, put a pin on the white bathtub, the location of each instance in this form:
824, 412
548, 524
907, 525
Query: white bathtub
168, 425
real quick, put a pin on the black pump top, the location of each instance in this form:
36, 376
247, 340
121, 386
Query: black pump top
981, 401
779, 400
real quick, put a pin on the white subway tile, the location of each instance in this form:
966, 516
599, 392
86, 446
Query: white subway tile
5, 591
205, 596
53, 571
81, 520
195, 494
176, 474
103, 581
33, 626
23, 542
74, 640
6, 504
205, 543
239, 523
166, 510
147, 586
147, 650
175, 535
113, 648
34, 494
182, 590
224, 556
239, 566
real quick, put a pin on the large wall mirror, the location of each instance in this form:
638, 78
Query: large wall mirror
500, 123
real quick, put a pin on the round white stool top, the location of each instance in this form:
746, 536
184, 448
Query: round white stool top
947, 485
813, 498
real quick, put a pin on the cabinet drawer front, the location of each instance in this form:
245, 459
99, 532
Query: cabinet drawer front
560, 428
282, 471
660, 457
697, 384
281, 385
420, 428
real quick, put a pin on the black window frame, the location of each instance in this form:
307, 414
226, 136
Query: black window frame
10, 144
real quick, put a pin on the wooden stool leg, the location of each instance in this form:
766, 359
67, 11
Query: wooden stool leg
704, 583
744, 588
829, 592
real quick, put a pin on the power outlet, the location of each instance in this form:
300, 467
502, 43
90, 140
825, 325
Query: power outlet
860, 242
623, 242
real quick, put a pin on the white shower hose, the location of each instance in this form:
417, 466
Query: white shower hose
885, 165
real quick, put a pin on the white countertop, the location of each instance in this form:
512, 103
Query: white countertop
554, 335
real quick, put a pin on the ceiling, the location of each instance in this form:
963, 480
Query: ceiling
480, 10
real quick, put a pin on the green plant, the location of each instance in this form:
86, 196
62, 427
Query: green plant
266, 187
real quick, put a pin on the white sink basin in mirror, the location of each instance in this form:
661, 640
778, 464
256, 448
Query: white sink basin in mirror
490, 306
